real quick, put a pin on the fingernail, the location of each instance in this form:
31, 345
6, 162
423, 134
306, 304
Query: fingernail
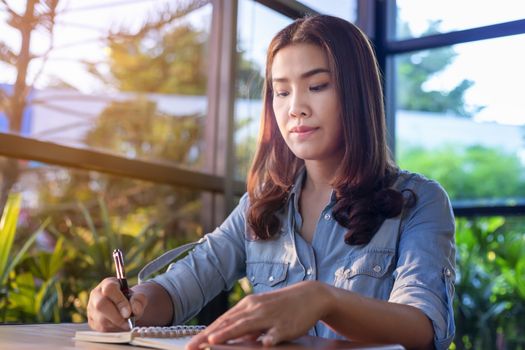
124, 312
204, 346
267, 340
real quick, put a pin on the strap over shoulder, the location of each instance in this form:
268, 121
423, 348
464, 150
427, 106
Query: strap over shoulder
163, 260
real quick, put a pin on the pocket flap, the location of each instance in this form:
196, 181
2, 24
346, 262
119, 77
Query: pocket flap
267, 273
375, 264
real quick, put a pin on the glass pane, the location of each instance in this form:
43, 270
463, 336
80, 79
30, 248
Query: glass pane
461, 118
417, 18
256, 27
346, 9
79, 217
132, 82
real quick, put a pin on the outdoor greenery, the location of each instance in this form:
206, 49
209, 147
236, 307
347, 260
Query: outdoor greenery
50, 282
490, 288
471, 173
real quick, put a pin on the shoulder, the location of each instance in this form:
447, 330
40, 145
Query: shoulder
242, 207
237, 218
431, 200
420, 185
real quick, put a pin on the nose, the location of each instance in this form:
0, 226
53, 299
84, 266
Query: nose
299, 107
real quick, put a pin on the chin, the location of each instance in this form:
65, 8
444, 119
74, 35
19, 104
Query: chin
307, 156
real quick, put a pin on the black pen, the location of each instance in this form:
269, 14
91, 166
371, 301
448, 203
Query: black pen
121, 277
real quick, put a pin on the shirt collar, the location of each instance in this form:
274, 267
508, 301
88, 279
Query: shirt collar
295, 191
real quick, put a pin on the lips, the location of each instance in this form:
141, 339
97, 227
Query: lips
300, 129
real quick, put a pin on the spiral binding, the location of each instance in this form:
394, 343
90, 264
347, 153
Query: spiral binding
167, 332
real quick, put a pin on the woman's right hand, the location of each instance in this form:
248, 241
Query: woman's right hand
108, 309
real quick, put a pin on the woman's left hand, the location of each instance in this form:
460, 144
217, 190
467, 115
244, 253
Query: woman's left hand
276, 316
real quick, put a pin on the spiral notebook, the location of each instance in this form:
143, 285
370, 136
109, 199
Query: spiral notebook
168, 338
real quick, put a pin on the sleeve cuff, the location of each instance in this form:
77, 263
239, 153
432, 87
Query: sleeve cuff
421, 297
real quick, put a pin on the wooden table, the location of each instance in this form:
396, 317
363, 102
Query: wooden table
60, 337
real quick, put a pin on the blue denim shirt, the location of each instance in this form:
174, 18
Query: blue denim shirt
410, 260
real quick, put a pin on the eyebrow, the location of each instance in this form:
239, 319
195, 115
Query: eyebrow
307, 74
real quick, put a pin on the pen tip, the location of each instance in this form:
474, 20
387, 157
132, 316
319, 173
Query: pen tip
131, 323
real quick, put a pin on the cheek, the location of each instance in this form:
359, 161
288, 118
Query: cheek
280, 115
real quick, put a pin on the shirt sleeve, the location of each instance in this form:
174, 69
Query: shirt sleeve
213, 266
425, 270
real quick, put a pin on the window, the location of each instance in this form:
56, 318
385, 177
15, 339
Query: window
453, 100
460, 119
133, 82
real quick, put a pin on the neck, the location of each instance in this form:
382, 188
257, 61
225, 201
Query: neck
319, 176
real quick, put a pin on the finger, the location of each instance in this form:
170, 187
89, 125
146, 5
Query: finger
138, 304
111, 289
224, 320
102, 309
202, 337
99, 314
196, 341
271, 338
238, 328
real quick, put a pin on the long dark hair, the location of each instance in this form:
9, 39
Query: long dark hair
364, 198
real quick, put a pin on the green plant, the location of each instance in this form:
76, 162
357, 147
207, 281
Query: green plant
16, 289
39, 296
490, 288
88, 249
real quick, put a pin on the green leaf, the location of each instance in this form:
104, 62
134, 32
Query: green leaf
113, 238
23, 250
56, 262
7, 233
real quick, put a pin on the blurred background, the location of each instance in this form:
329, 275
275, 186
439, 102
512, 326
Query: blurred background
133, 123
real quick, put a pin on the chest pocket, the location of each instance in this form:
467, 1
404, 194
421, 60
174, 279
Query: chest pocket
367, 273
266, 276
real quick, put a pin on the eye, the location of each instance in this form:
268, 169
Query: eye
320, 87
281, 93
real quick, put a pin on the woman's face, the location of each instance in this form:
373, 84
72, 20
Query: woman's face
305, 103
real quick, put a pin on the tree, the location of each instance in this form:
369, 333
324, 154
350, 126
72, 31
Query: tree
476, 172
37, 15
176, 63
415, 69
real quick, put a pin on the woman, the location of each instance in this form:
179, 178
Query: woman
336, 241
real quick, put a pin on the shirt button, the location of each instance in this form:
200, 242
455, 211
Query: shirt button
448, 273
327, 216
309, 271
252, 278
377, 268
270, 278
